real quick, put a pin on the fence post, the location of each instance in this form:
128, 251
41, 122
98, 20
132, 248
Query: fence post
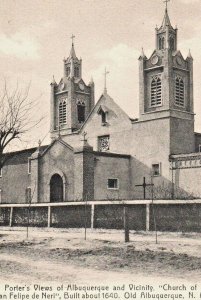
49, 217
147, 217
126, 223
11, 217
92, 216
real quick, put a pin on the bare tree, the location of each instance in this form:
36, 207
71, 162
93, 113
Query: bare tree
16, 116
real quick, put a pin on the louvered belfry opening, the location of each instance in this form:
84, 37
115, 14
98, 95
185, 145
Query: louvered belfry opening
179, 91
62, 112
156, 91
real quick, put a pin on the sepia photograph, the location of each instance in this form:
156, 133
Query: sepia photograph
100, 149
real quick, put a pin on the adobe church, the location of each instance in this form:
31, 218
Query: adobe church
98, 153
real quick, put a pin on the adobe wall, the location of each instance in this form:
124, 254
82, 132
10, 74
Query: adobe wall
114, 167
182, 139
197, 141
170, 215
14, 182
58, 159
188, 180
147, 142
186, 173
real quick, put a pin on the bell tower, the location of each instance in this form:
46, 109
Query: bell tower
71, 99
166, 87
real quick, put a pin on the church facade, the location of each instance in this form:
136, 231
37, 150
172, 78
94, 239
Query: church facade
98, 153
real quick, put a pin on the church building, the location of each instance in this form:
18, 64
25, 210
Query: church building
98, 153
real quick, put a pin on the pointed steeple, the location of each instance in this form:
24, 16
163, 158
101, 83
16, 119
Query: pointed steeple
72, 54
166, 21
53, 81
91, 82
72, 65
166, 35
189, 54
142, 56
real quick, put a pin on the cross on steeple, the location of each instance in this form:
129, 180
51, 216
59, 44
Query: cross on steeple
72, 37
105, 80
166, 2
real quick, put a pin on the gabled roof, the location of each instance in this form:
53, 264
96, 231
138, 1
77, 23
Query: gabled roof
177, 53
108, 102
59, 140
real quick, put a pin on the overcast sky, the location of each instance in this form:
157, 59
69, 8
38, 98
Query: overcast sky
35, 37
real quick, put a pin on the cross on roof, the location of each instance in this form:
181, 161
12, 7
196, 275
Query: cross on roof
105, 80
72, 37
166, 2
84, 136
39, 143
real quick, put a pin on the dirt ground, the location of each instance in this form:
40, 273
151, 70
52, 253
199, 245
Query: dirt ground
65, 256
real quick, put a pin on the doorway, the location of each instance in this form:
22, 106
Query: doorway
56, 188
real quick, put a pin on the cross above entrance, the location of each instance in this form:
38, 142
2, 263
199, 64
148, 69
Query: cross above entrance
144, 185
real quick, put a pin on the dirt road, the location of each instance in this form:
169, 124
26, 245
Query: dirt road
64, 256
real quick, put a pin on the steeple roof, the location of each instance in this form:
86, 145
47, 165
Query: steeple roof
166, 21
72, 54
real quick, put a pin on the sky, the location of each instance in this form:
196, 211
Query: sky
35, 37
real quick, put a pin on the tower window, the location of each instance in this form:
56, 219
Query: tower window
179, 91
156, 94
81, 112
161, 43
171, 43
76, 72
68, 71
62, 112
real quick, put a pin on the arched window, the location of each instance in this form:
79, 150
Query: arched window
103, 117
179, 91
161, 43
68, 71
156, 92
62, 112
171, 43
81, 111
76, 72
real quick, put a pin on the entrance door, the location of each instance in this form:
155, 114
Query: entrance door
56, 188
